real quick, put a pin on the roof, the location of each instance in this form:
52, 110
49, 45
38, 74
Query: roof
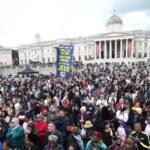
114, 19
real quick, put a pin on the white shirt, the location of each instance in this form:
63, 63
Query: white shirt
102, 103
123, 116
147, 129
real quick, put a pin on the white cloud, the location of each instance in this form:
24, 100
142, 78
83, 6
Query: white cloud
20, 20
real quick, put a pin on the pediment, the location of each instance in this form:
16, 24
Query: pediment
116, 34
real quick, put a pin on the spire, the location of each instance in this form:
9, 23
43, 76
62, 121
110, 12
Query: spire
114, 11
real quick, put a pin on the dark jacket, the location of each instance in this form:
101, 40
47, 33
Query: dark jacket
34, 147
72, 140
61, 125
59, 135
57, 147
17, 137
144, 140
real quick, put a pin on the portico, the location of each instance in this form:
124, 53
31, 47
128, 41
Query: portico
115, 48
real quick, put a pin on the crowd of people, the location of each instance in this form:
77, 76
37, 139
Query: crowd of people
97, 108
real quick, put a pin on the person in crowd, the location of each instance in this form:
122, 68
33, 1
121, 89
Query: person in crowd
140, 137
83, 116
3, 130
112, 109
87, 131
75, 138
130, 144
61, 123
121, 104
73, 147
47, 117
5, 116
31, 128
138, 117
53, 143
98, 125
112, 97
16, 134
21, 115
7, 145
102, 101
89, 109
31, 141
42, 129
53, 131
27, 121
96, 142
147, 126
108, 134
10, 108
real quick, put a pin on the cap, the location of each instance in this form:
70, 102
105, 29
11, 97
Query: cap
39, 116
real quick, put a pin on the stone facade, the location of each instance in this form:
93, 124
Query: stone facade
114, 46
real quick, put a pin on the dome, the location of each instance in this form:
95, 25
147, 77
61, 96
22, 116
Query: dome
114, 20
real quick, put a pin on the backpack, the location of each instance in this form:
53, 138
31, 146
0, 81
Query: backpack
126, 128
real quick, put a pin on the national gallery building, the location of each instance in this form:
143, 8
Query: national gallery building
114, 46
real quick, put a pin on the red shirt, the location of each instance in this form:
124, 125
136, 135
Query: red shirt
42, 129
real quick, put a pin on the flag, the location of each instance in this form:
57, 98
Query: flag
129, 46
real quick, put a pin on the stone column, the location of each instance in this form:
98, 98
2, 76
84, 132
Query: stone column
126, 48
115, 48
110, 50
105, 50
121, 48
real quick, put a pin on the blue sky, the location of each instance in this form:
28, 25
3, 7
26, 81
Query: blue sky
20, 20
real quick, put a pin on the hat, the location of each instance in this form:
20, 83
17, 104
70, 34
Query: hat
97, 135
39, 116
138, 110
32, 137
83, 108
88, 124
